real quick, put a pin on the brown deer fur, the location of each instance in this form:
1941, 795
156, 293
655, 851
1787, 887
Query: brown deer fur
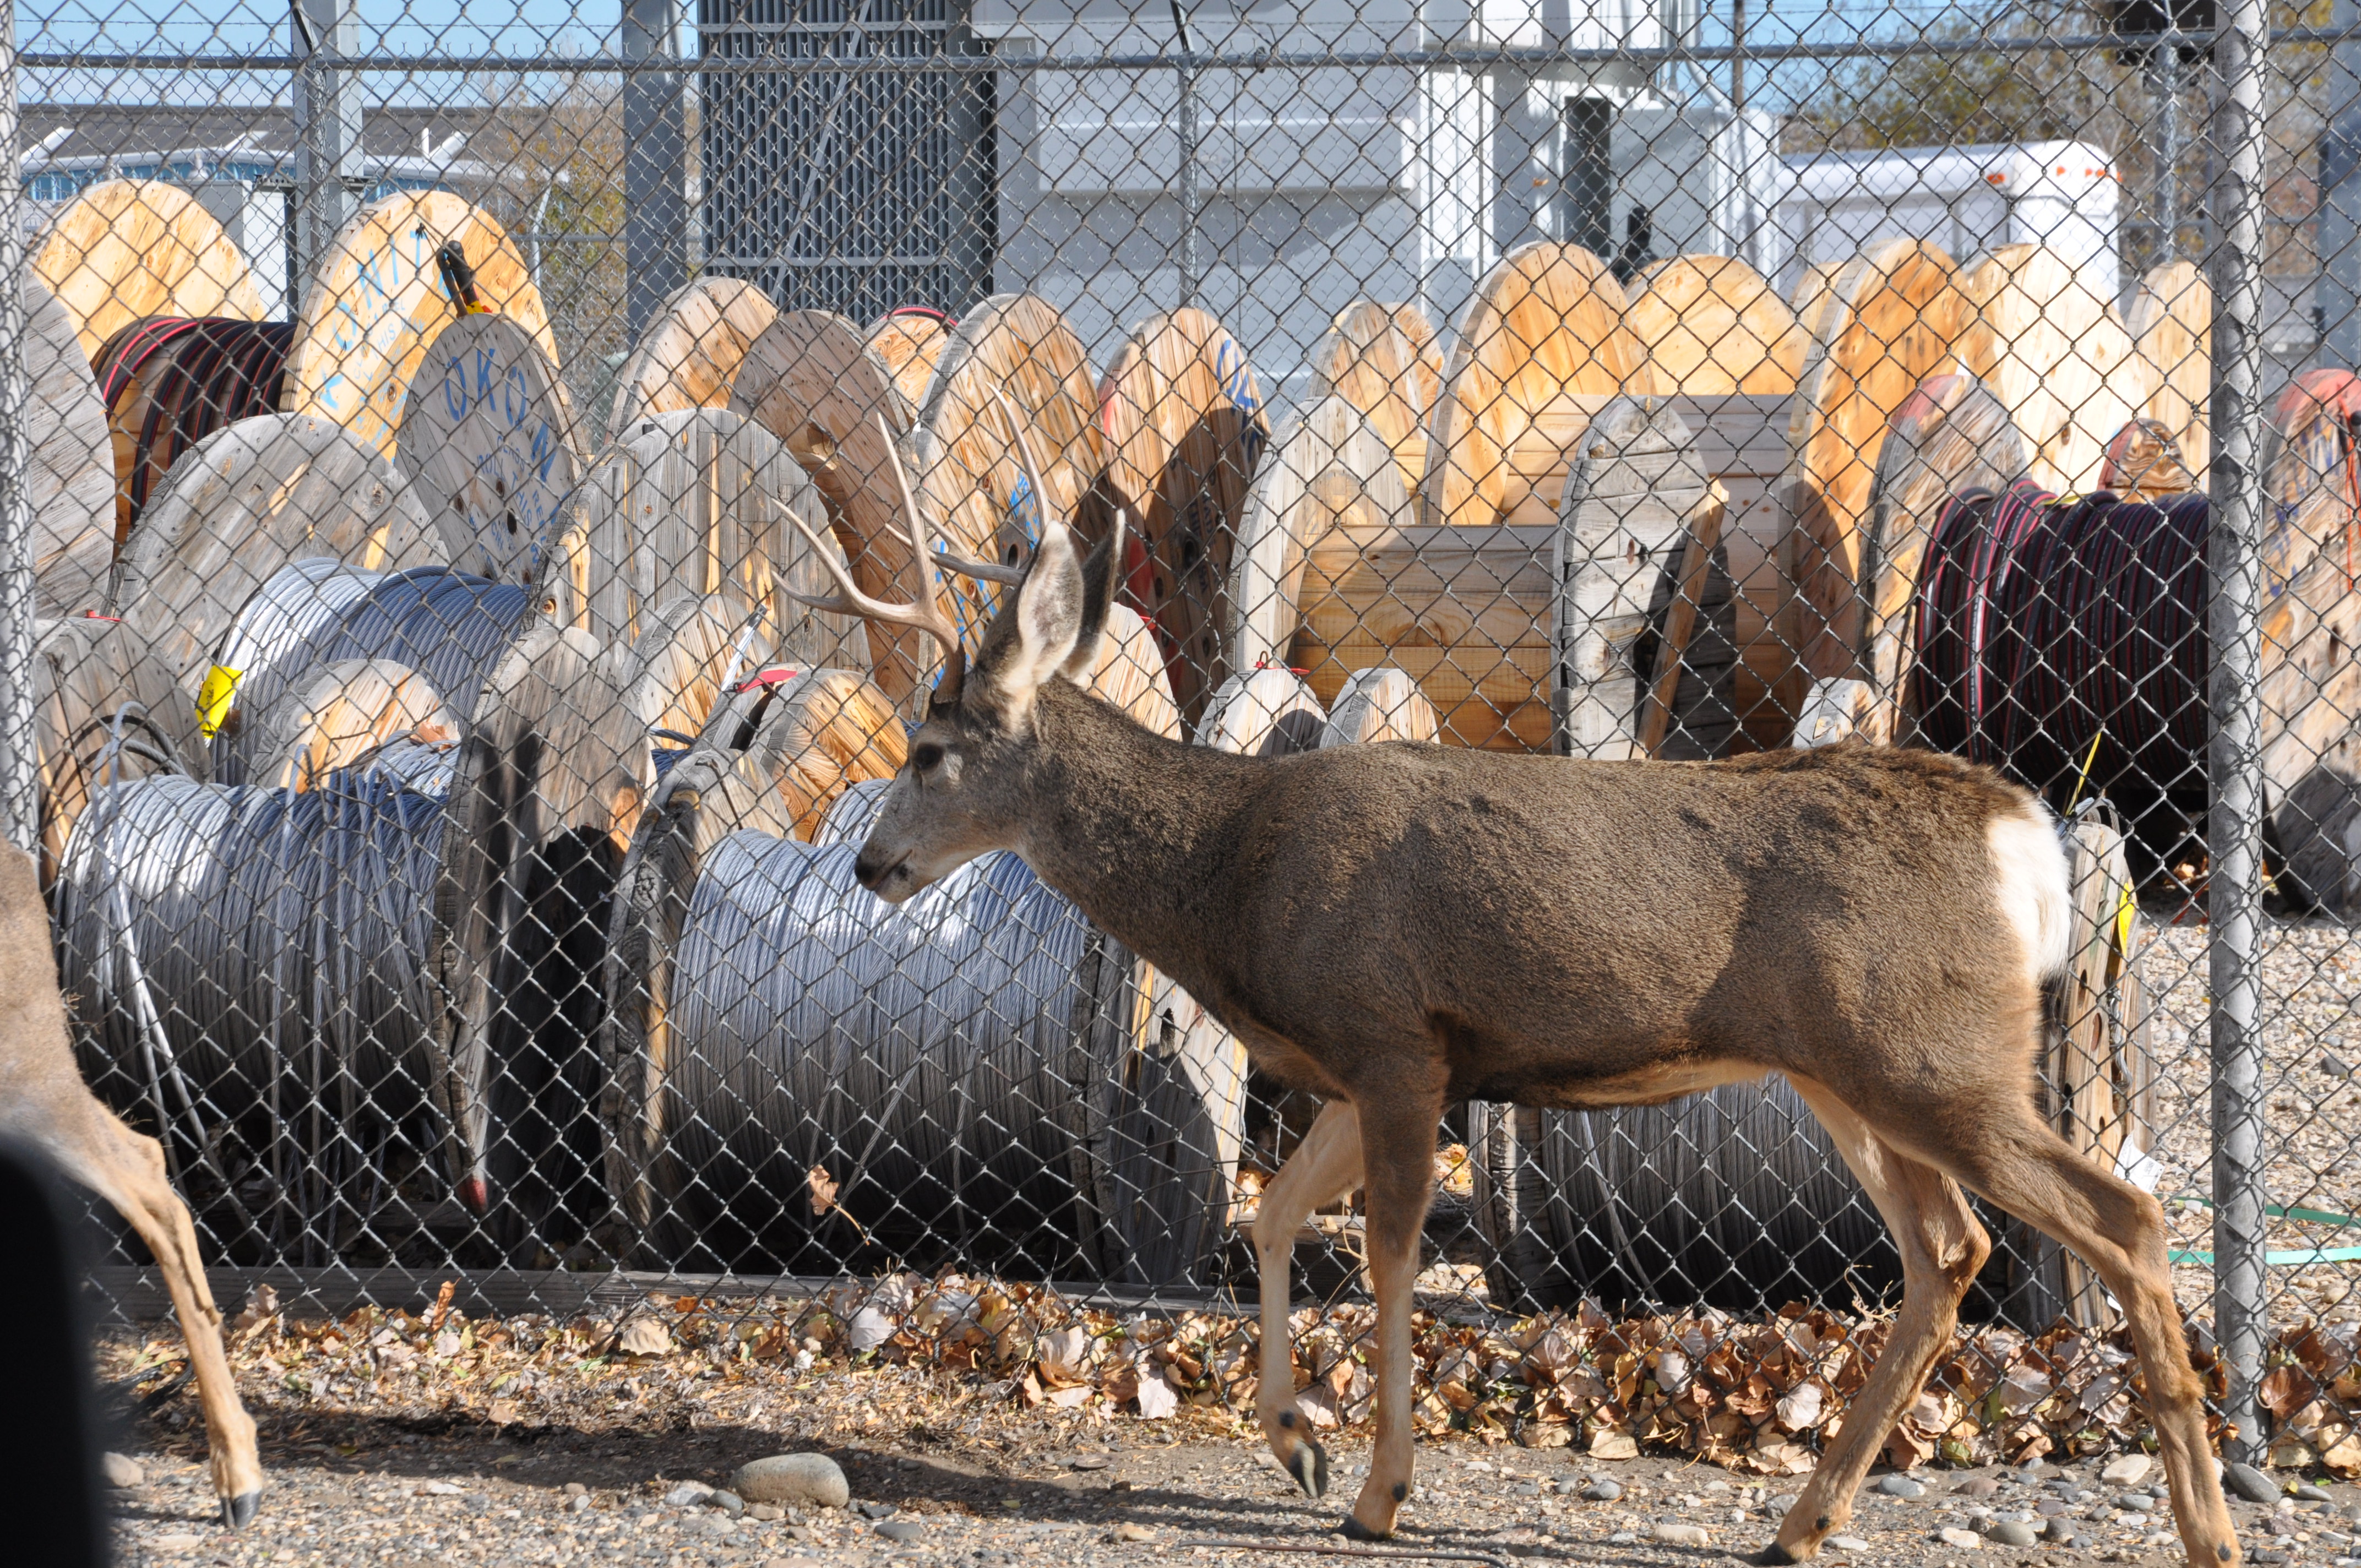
1400, 925
44, 1103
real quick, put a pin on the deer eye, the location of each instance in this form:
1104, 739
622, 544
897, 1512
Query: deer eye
927, 758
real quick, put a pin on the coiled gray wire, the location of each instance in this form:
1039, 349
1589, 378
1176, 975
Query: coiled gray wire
962, 1067
246, 963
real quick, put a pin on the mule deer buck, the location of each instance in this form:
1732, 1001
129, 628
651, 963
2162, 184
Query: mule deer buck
1394, 927
44, 1101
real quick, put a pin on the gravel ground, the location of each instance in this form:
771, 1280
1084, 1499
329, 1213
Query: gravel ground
1078, 1492
2311, 979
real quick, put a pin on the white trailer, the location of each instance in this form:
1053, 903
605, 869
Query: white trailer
2064, 194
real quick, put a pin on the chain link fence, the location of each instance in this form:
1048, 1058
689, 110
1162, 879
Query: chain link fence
419, 425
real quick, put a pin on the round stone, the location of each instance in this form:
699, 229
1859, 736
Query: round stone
1900, 1487
2014, 1532
811, 1479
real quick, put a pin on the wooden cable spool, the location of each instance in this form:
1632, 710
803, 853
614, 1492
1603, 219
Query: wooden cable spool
972, 475
2058, 357
690, 355
1130, 672
804, 1075
488, 444
1330, 487
69, 478
128, 248
1885, 320
2144, 461
699, 502
88, 673
1385, 363
909, 342
1639, 504
1711, 324
1269, 712
2310, 550
376, 298
546, 793
170, 381
1540, 348
810, 375
687, 656
1182, 415
1379, 705
1952, 435
250, 500
342, 713
2172, 325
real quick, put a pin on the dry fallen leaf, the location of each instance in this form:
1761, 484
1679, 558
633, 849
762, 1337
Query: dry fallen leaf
644, 1336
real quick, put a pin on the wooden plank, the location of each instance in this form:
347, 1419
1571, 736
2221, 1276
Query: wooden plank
1330, 481
376, 298
489, 442
2171, 324
1680, 626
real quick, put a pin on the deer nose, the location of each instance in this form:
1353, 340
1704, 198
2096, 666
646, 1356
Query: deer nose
870, 870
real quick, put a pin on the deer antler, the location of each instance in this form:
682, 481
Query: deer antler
923, 612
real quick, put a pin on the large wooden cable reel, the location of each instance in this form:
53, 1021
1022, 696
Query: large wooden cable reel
1884, 323
701, 502
813, 382
1015, 350
1185, 431
1541, 347
123, 249
489, 444
689, 357
1384, 362
106, 708
909, 342
2171, 327
1130, 672
1269, 712
70, 479
376, 298
1711, 326
1380, 705
546, 793
1329, 489
2056, 354
249, 500
1951, 437
337, 716
2310, 550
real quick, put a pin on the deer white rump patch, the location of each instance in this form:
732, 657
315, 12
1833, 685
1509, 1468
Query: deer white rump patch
2029, 880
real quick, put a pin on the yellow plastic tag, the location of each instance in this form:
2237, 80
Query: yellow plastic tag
2125, 910
214, 697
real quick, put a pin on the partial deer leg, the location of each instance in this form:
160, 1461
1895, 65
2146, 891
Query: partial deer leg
2020, 1164
1942, 1249
1324, 1167
1398, 1163
127, 1169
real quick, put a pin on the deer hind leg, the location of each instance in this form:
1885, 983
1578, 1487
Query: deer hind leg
127, 1170
1942, 1249
2027, 1169
1325, 1165
1398, 1160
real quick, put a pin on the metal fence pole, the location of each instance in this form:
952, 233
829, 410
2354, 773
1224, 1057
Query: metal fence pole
655, 165
19, 790
327, 131
1192, 268
2233, 823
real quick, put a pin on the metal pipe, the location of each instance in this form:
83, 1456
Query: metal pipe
1018, 65
1192, 273
2233, 818
20, 807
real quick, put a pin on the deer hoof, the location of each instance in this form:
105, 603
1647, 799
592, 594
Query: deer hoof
1771, 1556
1309, 1465
1354, 1530
239, 1512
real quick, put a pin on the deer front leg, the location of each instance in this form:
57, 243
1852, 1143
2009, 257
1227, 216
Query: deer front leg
1325, 1167
1398, 1163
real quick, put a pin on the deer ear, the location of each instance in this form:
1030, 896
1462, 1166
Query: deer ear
1098, 593
1047, 622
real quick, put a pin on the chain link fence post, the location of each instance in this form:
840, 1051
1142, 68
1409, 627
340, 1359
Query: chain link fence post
19, 789
655, 161
2233, 822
